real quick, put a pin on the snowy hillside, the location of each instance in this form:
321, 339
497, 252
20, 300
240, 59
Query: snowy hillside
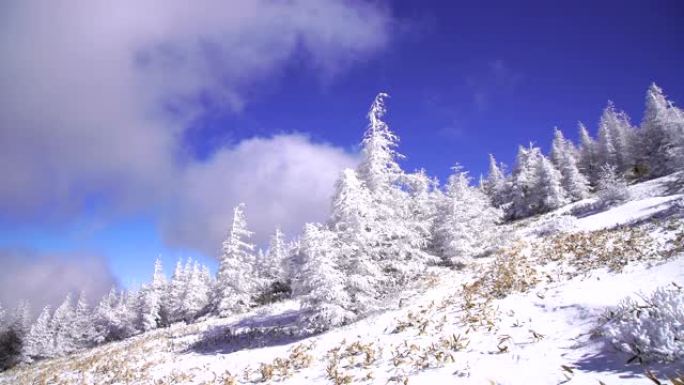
540, 310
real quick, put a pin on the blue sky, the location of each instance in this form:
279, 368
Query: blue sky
139, 145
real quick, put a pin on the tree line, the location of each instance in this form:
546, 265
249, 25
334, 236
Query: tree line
386, 226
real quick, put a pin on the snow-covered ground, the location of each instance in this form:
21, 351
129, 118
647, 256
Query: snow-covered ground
439, 332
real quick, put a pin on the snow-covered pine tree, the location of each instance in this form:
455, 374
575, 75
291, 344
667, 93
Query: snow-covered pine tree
676, 133
352, 221
147, 309
275, 256
549, 191
61, 325
176, 291
588, 161
395, 244
196, 298
103, 317
563, 157
654, 138
612, 186
322, 282
40, 338
161, 288
83, 328
622, 135
524, 181
236, 281
466, 220
605, 150
496, 185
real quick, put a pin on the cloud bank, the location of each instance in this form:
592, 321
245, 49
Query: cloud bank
95, 96
45, 279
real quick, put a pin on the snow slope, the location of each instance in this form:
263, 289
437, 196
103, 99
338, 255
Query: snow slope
438, 332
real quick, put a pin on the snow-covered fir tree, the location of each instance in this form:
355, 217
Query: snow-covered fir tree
196, 296
175, 293
147, 309
655, 140
496, 185
524, 181
588, 161
396, 245
323, 283
62, 322
272, 265
549, 191
621, 135
564, 159
236, 281
466, 220
40, 338
83, 328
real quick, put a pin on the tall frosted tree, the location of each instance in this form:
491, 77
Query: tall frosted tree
40, 338
564, 159
379, 169
524, 181
176, 292
466, 221
395, 244
588, 161
147, 309
83, 328
323, 282
270, 263
196, 297
62, 321
549, 190
655, 143
619, 137
236, 283
496, 185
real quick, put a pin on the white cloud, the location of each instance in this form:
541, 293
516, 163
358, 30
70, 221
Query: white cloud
283, 180
94, 96
46, 279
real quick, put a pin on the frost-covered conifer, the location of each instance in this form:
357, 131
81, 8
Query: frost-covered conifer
496, 185
466, 220
40, 338
588, 162
619, 137
147, 309
236, 281
655, 141
563, 157
83, 328
175, 293
196, 298
61, 324
322, 283
549, 190
524, 181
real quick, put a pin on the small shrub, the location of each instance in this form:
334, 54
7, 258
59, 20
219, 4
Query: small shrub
651, 329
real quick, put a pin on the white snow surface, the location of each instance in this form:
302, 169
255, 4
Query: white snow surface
548, 335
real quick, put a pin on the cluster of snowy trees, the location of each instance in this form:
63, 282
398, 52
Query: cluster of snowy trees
386, 226
245, 279
620, 152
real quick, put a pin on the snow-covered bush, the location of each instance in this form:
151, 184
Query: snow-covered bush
611, 187
652, 329
555, 225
